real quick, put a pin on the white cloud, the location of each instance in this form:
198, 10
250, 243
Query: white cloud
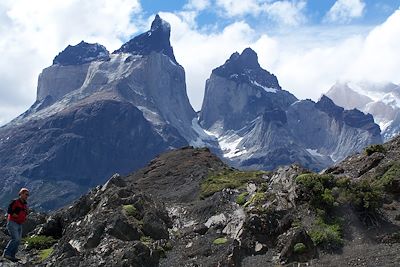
343, 11
199, 53
307, 62
379, 58
33, 32
197, 5
285, 12
234, 8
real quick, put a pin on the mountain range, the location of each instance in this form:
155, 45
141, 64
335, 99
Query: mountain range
98, 113
382, 100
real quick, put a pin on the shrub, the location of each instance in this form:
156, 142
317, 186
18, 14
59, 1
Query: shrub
220, 241
130, 210
39, 242
299, 248
366, 196
374, 148
146, 240
327, 235
387, 178
241, 199
228, 179
317, 189
44, 254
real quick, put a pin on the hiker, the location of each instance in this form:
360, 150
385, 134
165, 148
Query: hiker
17, 212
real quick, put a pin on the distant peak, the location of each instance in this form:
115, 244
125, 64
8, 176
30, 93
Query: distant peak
154, 40
244, 68
326, 105
160, 24
249, 58
81, 53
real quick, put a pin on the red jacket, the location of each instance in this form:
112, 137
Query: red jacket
17, 206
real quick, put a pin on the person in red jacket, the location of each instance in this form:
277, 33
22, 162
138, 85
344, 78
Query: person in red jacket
17, 213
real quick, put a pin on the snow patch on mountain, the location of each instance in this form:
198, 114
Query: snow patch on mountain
202, 135
314, 152
267, 89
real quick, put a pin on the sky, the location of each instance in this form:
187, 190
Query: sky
307, 44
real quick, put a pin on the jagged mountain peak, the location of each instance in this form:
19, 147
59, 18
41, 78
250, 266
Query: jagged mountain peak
154, 40
245, 68
159, 24
81, 53
247, 60
328, 106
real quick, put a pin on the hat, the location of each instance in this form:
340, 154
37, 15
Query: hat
23, 190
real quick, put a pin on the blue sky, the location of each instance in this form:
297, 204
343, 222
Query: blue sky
307, 44
375, 11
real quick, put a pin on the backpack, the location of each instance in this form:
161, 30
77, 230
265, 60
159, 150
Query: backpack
10, 210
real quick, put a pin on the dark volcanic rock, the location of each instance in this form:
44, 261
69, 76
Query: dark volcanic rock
81, 53
154, 40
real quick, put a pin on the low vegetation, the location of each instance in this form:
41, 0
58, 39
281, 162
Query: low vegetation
241, 199
386, 181
325, 193
229, 179
220, 241
327, 234
299, 248
44, 254
130, 210
39, 242
374, 148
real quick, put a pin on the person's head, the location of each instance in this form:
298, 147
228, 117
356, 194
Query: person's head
24, 193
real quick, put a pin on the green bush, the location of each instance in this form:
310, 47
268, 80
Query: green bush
130, 210
39, 242
388, 177
299, 248
228, 179
241, 199
317, 188
327, 235
220, 241
44, 254
366, 196
374, 148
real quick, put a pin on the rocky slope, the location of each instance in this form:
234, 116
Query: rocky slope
259, 125
96, 114
187, 208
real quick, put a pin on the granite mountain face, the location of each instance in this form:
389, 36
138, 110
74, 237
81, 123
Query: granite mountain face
259, 125
382, 100
98, 113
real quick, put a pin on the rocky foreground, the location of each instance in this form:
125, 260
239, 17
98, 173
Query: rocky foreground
187, 208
